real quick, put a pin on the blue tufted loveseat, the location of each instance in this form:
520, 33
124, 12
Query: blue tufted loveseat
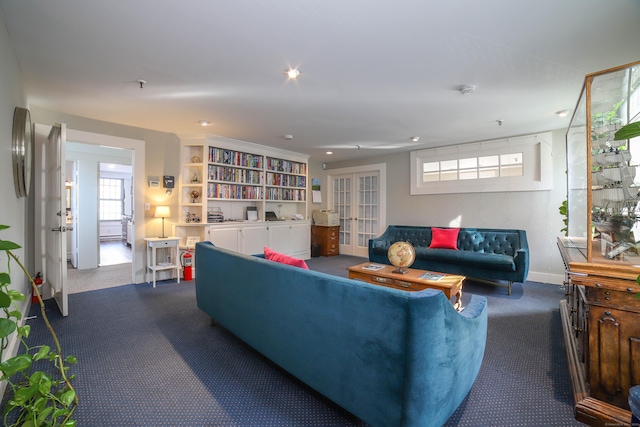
484, 254
393, 358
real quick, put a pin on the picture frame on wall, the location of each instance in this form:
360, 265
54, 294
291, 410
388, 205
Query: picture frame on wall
192, 240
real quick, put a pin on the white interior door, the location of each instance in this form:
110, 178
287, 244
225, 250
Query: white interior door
356, 197
55, 217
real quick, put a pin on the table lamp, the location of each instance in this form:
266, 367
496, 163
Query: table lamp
162, 212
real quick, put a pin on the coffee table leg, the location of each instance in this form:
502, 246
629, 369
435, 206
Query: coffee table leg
458, 304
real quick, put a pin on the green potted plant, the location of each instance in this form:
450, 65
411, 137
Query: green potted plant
34, 397
563, 209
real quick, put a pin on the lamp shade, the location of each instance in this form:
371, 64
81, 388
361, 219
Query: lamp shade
162, 212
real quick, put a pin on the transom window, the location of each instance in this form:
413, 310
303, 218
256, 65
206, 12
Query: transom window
473, 168
111, 199
515, 164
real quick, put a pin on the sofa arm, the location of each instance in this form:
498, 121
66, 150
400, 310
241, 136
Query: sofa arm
521, 260
444, 359
475, 308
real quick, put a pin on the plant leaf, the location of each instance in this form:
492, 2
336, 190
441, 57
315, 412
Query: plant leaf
5, 300
628, 131
7, 245
15, 364
5, 278
15, 295
22, 395
68, 397
7, 327
24, 331
44, 351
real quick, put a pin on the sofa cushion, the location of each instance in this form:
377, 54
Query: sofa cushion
272, 255
498, 262
470, 240
444, 238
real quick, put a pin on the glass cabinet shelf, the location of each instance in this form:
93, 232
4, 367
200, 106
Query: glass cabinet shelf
602, 180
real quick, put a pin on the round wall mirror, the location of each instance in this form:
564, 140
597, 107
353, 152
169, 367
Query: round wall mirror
22, 146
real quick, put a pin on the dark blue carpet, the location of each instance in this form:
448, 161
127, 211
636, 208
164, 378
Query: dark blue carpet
149, 357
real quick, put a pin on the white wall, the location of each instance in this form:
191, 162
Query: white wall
16, 212
533, 211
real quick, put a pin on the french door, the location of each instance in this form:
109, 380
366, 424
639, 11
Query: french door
357, 198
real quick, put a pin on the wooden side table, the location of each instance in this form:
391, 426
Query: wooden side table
171, 262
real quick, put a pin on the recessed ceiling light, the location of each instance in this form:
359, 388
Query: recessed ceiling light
204, 122
292, 73
288, 137
563, 113
329, 152
415, 138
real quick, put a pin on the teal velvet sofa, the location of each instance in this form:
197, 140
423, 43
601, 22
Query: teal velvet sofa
390, 357
484, 254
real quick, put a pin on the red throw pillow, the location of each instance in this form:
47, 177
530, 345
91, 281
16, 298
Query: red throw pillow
444, 238
272, 255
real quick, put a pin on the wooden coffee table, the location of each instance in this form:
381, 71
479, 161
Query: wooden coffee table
379, 274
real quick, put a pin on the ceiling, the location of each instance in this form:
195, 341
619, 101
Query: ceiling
374, 72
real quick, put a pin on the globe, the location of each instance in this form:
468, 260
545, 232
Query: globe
402, 255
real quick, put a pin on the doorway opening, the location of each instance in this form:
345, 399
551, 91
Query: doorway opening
115, 213
105, 249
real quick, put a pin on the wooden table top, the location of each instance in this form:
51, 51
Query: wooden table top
439, 280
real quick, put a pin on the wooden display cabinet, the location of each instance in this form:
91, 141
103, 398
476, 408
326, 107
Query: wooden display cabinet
601, 312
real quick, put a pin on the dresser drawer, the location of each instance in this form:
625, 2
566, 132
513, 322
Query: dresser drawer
332, 249
163, 243
625, 298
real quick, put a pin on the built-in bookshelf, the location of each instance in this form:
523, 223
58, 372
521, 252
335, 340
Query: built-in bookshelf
231, 176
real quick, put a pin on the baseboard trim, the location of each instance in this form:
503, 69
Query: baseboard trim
555, 279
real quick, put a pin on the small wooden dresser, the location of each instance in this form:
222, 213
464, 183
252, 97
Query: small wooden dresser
328, 238
601, 323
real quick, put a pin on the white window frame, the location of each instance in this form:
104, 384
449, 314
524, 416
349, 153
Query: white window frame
107, 199
537, 166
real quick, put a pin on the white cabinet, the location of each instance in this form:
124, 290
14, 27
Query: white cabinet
245, 238
253, 238
291, 237
288, 237
225, 237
